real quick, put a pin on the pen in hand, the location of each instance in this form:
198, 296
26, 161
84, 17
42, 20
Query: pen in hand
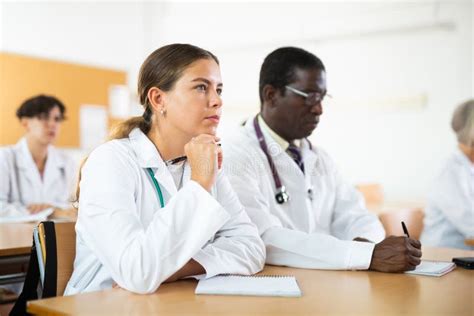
405, 230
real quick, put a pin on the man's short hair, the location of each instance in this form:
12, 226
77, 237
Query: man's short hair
463, 123
278, 68
39, 105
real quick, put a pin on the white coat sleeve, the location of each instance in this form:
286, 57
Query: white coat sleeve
452, 196
7, 186
351, 217
140, 259
237, 248
284, 246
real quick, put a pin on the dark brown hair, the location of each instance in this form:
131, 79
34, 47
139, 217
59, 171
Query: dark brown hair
39, 105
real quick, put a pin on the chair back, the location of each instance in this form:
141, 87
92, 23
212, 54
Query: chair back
372, 192
413, 218
51, 263
62, 262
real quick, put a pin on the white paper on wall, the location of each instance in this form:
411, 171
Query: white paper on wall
119, 101
93, 125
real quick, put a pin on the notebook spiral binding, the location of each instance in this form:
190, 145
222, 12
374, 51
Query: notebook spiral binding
273, 276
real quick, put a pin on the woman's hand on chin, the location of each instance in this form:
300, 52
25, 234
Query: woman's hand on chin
205, 159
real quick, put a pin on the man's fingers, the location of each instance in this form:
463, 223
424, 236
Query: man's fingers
414, 251
414, 261
410, 267
414, 242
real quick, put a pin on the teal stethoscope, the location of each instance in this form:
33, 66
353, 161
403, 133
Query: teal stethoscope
156, 184
157, 187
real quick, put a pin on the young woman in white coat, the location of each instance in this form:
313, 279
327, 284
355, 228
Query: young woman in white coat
35, 176
449, 216
154, 206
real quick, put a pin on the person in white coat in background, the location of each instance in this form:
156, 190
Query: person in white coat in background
307, 215
449, 215
153, 205
35, 176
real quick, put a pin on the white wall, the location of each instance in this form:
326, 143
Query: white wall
417, 54
103, 34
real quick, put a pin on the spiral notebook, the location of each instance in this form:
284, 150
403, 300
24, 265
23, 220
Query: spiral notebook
254, 285
433, 268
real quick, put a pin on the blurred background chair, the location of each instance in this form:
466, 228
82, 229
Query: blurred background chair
413, 218
391, 215
373, 194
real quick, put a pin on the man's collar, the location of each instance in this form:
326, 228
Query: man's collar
277, 138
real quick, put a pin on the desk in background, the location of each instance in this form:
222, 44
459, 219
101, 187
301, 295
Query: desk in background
469, 241
15, 247
324, 292
16, 239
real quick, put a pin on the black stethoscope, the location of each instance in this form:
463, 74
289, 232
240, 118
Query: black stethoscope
281, 196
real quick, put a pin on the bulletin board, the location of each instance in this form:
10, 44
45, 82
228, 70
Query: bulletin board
22, 77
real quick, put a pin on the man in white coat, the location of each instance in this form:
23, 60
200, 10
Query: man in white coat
35, 176
307, 215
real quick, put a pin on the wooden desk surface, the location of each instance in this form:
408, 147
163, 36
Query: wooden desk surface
16, 238
324, 292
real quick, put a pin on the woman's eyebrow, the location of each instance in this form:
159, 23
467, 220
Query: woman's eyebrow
206, 81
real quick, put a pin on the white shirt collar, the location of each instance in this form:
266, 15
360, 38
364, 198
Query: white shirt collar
26, 158
277, 138
146, 152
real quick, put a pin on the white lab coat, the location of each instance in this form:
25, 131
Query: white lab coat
302, 233
124, 236
22, 185
449, 215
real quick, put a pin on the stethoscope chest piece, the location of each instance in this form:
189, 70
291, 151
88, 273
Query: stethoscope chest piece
281, 196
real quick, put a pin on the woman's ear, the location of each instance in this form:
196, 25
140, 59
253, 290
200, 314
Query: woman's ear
156, 99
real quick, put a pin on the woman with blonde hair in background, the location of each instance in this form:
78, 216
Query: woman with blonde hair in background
154, 206
449, 218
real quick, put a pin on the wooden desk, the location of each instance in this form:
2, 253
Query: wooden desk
15, 247
16, 239
324, 292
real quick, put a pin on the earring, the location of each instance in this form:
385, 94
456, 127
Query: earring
162, 111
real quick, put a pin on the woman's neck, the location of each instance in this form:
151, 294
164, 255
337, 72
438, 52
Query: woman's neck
170, 145
468, 151
39, 152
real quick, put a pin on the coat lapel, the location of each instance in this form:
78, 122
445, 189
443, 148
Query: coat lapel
149, 157
55, 169
26, 167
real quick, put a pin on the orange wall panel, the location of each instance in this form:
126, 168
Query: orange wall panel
22, 77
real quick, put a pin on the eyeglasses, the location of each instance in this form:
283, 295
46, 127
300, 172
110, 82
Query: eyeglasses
311, 98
